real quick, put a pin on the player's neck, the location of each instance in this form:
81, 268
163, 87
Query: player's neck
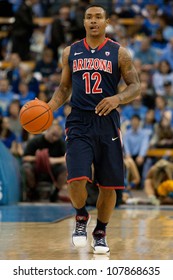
94, 42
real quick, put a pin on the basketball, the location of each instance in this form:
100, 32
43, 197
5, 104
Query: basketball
36, 116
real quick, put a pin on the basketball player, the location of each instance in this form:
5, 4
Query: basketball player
92, 69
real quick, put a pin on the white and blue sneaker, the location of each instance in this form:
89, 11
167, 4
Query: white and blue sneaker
79, 236
99, 243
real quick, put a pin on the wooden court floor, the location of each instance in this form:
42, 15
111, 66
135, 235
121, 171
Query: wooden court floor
132, 234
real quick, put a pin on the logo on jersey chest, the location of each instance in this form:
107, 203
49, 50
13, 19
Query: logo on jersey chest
92, 64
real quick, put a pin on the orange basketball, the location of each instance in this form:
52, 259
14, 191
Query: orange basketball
36, 116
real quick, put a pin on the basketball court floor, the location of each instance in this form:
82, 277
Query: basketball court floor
43, 232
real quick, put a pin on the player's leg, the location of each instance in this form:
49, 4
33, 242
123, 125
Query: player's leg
109, 172
105, 205
79, 160
78, 196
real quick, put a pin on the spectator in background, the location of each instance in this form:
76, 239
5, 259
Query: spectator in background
147, 55
44, 159
47, 65
168, 93
12, 71
167, 29
51, 85
163, 133
53, 81
48, 6
23, 29
139, 28
114, 29
20, 147
136, 143
43, 96
25, 94
152, 20
145, 76
16, 128
37, 44
161, 172
149, 123
13, 117
124, 9
77, 10
61, 31
26, 75
134, 108
6, 96
160, 107
162, 75
6, 135
158, 42
148, 95
168, 53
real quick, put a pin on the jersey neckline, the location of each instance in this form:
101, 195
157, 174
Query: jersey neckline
96, 49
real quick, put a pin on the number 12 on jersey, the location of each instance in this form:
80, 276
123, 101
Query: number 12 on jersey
92, 76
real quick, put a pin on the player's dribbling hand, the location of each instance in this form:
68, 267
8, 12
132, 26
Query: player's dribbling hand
106, 105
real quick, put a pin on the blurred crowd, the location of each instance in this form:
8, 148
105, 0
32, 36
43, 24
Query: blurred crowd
30, 66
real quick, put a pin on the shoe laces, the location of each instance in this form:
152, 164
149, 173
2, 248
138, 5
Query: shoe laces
99, 238
81, 223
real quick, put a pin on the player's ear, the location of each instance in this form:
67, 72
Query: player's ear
107, 21
84, 22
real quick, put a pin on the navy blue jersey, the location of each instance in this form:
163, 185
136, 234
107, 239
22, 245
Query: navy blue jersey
95, 73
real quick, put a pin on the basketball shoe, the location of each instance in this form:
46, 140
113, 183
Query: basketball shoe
99, 243
79, 236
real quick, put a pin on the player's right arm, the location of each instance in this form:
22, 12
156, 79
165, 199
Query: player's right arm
63, 92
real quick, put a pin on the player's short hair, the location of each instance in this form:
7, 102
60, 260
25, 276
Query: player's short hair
98, 6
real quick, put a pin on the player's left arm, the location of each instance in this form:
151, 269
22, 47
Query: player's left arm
131, 79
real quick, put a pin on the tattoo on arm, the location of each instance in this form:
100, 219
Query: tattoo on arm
63, 92
130, 77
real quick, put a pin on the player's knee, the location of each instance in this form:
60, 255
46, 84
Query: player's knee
78, 193
107, 192
75, 185
77, 189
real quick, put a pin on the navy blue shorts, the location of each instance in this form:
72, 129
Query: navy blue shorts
94, 139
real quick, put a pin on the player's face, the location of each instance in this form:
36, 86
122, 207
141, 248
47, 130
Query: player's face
95, 21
